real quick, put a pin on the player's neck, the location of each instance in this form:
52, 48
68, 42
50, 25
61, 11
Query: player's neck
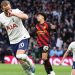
42, 21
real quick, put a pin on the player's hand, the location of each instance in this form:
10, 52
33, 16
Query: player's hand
10, 13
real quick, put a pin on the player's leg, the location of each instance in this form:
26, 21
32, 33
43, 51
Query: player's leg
25, 61
73, 72
73, 69
47, 65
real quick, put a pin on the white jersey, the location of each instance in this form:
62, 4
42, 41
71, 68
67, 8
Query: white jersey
14, 26
72, 48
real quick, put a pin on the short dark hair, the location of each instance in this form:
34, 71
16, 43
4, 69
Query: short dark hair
4, 3
43, 14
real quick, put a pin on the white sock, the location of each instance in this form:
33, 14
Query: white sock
29, 61
24, 56
52, 73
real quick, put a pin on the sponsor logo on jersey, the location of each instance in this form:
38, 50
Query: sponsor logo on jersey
11, 27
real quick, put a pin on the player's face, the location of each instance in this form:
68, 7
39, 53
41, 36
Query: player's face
6, 9
39, 18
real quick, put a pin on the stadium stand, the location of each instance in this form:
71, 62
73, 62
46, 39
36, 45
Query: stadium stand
60, 14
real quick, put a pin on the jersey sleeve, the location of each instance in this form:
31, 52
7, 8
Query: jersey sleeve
17, 10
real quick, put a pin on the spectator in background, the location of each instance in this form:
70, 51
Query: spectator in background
5, 51
59, 52
53, 41
1, 55
59, 42
61, 11
53, 52
3, 36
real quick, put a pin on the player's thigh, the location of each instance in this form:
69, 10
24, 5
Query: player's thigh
43, 54
73, 71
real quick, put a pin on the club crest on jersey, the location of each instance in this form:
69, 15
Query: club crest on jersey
11, 27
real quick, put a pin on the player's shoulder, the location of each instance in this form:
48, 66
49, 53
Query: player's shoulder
37, 24
1, 14
15, 10
72, 43
45, 23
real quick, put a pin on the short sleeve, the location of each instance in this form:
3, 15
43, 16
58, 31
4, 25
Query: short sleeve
17, 10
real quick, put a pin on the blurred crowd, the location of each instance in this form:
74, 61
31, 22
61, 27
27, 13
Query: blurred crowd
60, 14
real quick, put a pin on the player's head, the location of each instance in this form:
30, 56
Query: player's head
5, 5
41, 16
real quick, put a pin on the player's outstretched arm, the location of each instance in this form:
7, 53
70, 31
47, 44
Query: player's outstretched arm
65, 55
67, 52
21, 14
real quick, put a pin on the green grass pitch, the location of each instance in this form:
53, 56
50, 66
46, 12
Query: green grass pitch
6, 69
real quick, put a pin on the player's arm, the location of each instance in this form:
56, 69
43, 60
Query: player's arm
20, 14
66, 53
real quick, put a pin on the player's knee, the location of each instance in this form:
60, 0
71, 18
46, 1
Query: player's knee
21, 56
44, 58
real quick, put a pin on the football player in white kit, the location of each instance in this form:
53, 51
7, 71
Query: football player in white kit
71, 47
17, 33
